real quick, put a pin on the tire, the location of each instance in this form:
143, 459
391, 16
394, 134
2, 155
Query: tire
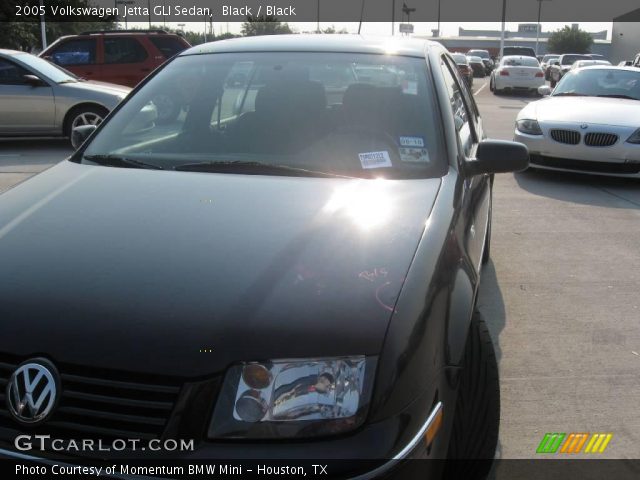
476, 423
168, 106
83, 115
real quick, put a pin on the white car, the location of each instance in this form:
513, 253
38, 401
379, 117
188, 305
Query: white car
590, 123
516, 73
588, 63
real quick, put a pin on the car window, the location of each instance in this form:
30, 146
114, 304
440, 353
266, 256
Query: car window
123, 50
358, 115
168, 46
569, 59
75, 52
11, 74
458, 108
520, 62
459, 58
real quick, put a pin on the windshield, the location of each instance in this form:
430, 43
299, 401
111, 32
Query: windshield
458, 58
479, 53
548, 58
569, 59
355, 115
606, 82
48, 69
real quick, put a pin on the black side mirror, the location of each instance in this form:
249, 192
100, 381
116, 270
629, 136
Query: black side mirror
498, 156
80, 134
33, 80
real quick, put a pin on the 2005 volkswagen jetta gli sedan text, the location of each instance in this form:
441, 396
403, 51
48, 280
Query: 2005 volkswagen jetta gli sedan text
296, 257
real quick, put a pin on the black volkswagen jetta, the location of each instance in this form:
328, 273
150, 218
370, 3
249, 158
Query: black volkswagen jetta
296, 257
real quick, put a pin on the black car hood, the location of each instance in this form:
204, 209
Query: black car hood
146, 270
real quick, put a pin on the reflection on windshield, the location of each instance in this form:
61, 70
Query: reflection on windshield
350, 115
48, 69
600, 82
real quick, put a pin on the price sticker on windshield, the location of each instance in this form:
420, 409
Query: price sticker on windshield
375, 159
412, 150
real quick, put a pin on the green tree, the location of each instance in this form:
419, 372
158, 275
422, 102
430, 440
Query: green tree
569, 40
332, 29
264, 25
25, 34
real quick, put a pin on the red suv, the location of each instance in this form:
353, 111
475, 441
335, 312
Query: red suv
121, 56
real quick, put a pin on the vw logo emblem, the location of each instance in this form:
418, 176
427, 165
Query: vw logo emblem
33, 391
584, 126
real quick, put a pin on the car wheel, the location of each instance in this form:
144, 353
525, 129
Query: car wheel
168, 107
87, 115
476, 421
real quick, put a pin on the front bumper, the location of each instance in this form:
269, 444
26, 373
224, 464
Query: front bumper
394, 440
621, 159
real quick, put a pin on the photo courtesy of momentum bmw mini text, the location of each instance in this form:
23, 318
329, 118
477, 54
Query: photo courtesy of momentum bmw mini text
365, 239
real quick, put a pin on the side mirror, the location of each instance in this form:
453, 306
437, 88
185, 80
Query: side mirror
80, 134
544, 90
33, 80
498, 156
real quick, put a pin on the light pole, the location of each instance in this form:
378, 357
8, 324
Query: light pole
125, 3
393, 17
43, 30
538, 27
318, 18
504, 16
439, 1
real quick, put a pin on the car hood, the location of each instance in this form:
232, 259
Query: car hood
144, 270
604, 111
98, 87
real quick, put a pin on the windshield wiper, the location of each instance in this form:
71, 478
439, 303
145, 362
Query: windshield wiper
570, 94
253, 168
618, 96
119, 161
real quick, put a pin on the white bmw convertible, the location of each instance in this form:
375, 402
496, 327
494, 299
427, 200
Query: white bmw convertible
589, 123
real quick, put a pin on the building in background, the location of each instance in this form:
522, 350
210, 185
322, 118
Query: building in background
625, 37
525, 36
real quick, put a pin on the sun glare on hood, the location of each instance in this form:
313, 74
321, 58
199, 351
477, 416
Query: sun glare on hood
366, 202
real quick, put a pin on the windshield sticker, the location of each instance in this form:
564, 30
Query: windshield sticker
412, 142
410, 87
375, 159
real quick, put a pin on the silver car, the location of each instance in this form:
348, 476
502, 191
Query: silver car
40, 98
590, 123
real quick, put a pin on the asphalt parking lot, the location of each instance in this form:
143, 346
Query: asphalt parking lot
561, 294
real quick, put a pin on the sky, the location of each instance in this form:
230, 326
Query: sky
384, 28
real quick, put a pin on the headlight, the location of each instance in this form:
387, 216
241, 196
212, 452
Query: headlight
293, 398
528, 126
635, 138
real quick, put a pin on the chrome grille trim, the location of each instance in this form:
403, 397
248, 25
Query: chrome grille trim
569, 137
600, 139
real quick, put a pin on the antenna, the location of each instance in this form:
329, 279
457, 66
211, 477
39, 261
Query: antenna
361, 15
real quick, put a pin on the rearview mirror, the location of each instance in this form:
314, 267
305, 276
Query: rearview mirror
498, 156
544, 90
80, 134
33, 80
